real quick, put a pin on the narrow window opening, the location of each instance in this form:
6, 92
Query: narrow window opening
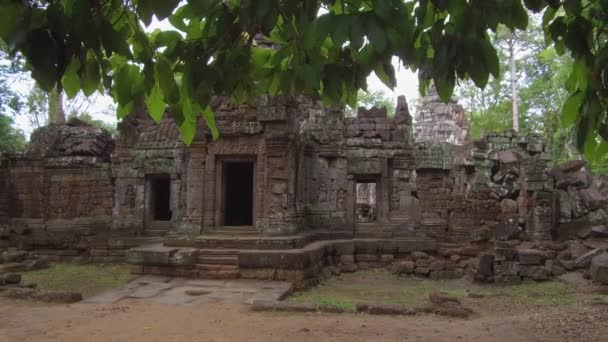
366, 209
238, 193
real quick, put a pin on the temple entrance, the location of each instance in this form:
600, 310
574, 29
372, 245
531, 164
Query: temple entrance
237, 193
158, 211
160, 192
366, 210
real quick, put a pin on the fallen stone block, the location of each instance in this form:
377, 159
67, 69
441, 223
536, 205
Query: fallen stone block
576, 249
10, 278
533, 272
599, 268
600, 231
530, 256
441, 298
585, 259
419, 255
387, 309
402, 267
41, 295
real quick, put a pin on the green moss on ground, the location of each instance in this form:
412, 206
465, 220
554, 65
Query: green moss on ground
88, 279
382, 287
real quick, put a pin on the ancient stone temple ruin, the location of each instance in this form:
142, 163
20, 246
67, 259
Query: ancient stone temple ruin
293, 190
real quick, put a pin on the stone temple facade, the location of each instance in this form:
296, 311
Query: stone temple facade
293, 190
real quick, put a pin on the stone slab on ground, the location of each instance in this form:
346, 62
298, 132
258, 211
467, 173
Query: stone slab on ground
182, 291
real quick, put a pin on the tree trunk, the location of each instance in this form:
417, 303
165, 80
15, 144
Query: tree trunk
56, 113
513, 71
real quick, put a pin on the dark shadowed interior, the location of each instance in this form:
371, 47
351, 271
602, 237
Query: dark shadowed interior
161, 198
238, 193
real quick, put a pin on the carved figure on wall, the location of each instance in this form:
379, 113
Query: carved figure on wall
340, 198
395, 198
322, 192
130, 197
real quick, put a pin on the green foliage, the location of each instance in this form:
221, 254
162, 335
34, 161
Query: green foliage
328, 53
11, 139
88, 118
370, 99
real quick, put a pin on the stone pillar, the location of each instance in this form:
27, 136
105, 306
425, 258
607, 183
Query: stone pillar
193, 219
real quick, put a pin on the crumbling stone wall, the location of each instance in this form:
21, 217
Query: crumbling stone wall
339, 152
60, 191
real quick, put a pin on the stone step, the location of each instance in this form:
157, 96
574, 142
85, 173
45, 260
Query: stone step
219, 274
216, 267
218, 251
154, 232
218, 260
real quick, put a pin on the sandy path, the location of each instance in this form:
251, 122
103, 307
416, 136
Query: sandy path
139, 321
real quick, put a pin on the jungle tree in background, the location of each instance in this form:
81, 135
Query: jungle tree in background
11, 139
101, 45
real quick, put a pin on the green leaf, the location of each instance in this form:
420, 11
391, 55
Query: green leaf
535, 5
166, 79
386, 74
519, 16
122, 85
123, 110
573, 7
548, 16
70, 79
161, 8
571, 108
155, 103
91, 77
113, 41
491, 58
445, 86
356, 34
376, 35
210, 120
10, 14
341, 25
580, 70
187, 127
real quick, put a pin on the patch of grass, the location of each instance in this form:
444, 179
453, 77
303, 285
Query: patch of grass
545, 293
88, 279
318, 299
377, 286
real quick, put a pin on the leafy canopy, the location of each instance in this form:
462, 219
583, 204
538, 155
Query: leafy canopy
323, 47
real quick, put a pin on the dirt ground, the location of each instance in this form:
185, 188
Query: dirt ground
550, 311
142, 321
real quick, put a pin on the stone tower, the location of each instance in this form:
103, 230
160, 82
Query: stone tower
436, 121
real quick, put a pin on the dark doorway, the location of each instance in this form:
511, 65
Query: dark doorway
238, 193
160, 191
